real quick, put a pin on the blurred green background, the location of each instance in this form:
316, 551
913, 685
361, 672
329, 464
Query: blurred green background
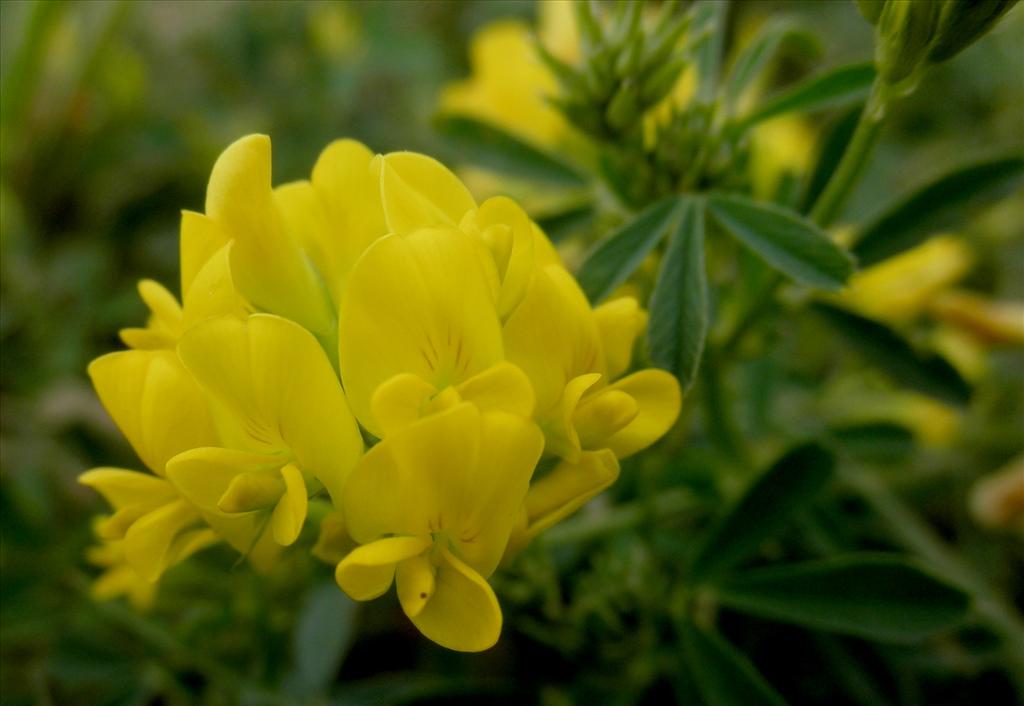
112, 115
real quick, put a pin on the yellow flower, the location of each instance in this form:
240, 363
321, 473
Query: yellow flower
778, 147
161, 412
283, 415
591, 416
900, 288
510, 86
433, 506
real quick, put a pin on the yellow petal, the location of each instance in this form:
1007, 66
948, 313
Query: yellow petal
501, 387
212, 292
398, 402
560, 433
417, 192
567, 488
404, 484
122, 488
600, 415
508, 232
273, 375
122, 580
552, 336
247, 492
147, 339
189, 542
992, 322
619, 322
204, 475
148, 542
268, 266
155, 403
422, 304
415, 580
333, 542
350, 194
491, 497
165, 308
201, 237
290, 513
658, 399
367, 572
463, 613
543, 250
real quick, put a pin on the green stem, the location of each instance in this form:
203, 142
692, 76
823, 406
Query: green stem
584, 527
833, 198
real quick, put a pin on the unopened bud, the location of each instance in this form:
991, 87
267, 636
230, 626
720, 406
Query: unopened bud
963, 22
906, 29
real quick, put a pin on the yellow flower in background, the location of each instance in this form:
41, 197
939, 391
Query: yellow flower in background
510, 86
379, 295
779, 147
432, 507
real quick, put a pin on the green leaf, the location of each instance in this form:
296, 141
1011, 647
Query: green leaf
875, 596
488, 146
837, 87
323, 633
784, 239
877, 441
946, 202
724, 675
790, 485
758, 52
881, 346
678, 320
615, 258
833, 146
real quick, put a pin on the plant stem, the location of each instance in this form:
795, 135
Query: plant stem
584, 527
836, 193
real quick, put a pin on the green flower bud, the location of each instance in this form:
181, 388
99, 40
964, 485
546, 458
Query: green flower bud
871, 9
906, 29
963, 22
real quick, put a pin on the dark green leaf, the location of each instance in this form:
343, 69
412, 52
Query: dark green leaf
833, 147
772, 501
724, 675
879, 441
322, 634
784, 239
616, 257
840, 86
709, 20
679, 304
875, 596
489, 146
757, 54
945, 203
881, 346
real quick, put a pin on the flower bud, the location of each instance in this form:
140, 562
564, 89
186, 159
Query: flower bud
905, 32
962, 23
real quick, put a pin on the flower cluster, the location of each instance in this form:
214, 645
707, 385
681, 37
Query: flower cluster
374, 337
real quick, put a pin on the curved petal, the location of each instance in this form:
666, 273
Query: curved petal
415, 579
155, 403
501, 387
552, 336
271, 373
567, 488
463, 613
212, 292
204, 475
421, 304
491, 497
147, 543
164, 307
559, 430
601, 415
407, 484
619, 322
508, 233
268, 266
367, 572
398, 402
122, 488
201, 237
349, 192
417, 192
290, 513
658, 401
